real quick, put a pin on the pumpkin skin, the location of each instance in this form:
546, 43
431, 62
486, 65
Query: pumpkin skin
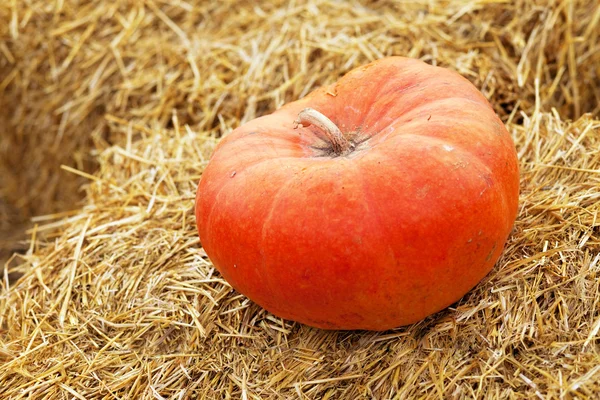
383, 236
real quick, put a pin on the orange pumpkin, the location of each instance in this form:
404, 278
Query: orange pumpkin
368, 204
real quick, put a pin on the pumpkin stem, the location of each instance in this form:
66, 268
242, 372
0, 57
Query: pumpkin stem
329, 131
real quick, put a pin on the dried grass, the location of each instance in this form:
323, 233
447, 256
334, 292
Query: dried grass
118, 299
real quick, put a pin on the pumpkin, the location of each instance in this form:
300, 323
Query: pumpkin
368, 204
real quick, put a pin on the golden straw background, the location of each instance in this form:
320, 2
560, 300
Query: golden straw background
109, 111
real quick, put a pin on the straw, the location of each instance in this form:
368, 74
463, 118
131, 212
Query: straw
118, 298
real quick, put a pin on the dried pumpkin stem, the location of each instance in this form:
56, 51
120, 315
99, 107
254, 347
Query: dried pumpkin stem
328, 131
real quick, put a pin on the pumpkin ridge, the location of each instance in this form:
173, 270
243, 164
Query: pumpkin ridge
407, 113
373, 210
467, 152
263, 232
451, 100
217, 195
473, 159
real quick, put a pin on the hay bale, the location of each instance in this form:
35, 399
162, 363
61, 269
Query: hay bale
118, 298
124, 300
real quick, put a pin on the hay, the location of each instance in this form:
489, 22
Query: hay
119, 300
